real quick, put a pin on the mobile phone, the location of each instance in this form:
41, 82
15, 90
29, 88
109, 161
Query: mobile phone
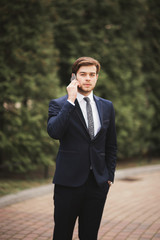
73, 77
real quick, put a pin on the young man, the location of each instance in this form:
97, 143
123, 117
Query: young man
85, 165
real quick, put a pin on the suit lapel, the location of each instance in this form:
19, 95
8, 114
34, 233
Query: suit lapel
99, 107
80, 115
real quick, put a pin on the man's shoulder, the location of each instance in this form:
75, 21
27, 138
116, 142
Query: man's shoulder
106, 101
60, 99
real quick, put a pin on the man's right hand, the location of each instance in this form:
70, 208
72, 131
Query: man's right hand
72, 90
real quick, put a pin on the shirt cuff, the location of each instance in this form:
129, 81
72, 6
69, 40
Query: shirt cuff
71, 102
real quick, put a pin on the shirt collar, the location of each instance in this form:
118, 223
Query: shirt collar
80, 97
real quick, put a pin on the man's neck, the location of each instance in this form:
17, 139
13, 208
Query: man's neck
85, 95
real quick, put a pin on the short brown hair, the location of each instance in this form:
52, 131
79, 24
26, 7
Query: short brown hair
85, 61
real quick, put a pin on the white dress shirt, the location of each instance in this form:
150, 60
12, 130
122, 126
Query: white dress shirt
82, 104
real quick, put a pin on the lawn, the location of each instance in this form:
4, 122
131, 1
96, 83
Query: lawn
8, 186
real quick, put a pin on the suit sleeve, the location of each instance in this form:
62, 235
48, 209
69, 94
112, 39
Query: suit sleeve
58, 118
111, 146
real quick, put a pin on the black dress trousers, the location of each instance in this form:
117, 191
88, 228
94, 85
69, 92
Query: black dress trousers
85, 202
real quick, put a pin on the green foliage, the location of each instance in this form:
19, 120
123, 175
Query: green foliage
39, 42
112, 32
28, 82
151, 62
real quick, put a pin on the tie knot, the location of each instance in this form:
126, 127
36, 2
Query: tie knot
87, 99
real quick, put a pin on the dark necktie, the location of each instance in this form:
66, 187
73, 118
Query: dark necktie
90, 117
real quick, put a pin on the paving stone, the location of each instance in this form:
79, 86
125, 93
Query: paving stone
131, 211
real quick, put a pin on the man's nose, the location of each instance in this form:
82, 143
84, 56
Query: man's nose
88, 77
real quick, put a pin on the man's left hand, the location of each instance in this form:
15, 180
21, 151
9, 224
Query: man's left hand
110, 183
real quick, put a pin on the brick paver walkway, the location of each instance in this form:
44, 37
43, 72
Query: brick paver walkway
132, 212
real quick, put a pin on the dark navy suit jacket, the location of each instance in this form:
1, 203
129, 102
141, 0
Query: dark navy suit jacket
77, 152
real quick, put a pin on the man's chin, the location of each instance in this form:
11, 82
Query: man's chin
84, 90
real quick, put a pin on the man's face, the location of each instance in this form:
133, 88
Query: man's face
87, 78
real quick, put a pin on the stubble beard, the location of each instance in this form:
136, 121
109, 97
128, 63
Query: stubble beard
84, 91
